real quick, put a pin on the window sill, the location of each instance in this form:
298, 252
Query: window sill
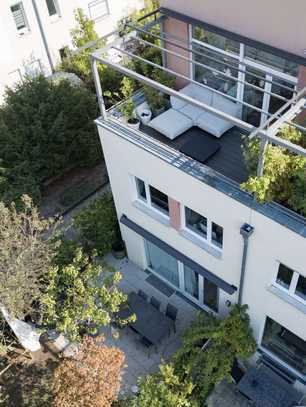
201, 243
24, 32
152, 213
287, 298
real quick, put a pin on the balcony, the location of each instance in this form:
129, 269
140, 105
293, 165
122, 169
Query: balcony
200, 126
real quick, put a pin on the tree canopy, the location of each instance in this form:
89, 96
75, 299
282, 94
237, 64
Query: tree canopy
46, 127
89, 379
25, 255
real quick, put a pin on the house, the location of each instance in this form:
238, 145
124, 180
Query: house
239, 68
33, 34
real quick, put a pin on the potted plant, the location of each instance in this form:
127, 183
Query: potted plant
128, 111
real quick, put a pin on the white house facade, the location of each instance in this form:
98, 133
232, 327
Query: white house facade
188, 222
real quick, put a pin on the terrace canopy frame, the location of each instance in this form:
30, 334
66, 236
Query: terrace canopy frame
267, 132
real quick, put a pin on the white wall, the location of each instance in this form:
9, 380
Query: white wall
18, 50
278, 23
270, 242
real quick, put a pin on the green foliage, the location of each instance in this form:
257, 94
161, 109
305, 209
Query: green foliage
98, 224
228, 339
284, 177
158, 100
25, 255
81, 296
164, 389
45, 128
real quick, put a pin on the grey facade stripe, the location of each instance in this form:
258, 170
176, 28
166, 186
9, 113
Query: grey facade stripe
236, 37
230, 289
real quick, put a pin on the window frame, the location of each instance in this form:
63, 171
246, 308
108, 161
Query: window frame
148, 201
293, 284
57, 13
207, 240
96, 2
26, 28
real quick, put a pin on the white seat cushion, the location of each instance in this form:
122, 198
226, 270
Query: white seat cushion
191, 111
225, 105
213, 124
171, 123
177, 103
199, 93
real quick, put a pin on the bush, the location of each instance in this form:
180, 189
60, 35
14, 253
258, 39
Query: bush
284, 177
229, 338
98, 224
164, 389
45, 128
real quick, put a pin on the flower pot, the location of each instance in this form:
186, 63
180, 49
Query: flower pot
133, 123
145, 116
118, 250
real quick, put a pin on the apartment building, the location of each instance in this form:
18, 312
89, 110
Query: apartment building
183, 215
33, 33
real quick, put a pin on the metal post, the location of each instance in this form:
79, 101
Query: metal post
43, 36
246, 231
98, 88
261, 160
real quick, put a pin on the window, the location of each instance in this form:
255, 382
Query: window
52, 7
19, 16
162, 263
216, 40
98, 9
286, 345
197, 223
210, 295
284, 276
203, 227
159, 200
217, 235
152, 197
191, 282
141, 189
301, 287
292, 282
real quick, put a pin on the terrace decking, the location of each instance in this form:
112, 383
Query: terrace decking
228, 161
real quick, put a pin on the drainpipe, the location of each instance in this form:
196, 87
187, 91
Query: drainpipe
246, 231
43, 36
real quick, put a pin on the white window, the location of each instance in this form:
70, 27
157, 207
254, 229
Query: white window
53, 8
152, 197
98, 9
19, 17
202, 227
292, 282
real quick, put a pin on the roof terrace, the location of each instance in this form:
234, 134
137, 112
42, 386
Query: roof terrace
200, 125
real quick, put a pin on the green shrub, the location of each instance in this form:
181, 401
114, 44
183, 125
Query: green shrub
98, 224
284, 173
45, 129
229, 338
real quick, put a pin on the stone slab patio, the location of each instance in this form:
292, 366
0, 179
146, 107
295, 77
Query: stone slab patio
140, 362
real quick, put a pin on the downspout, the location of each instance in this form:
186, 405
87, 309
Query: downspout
246, 231
43, 36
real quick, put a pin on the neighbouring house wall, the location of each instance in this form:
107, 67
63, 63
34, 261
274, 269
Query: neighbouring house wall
18, 51
270, 244
174, 28
280, 24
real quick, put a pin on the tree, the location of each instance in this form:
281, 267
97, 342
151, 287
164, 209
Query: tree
46, 127
81, 296
284, 173
164, 389
207, 365
98, 224
91, 378
25, 256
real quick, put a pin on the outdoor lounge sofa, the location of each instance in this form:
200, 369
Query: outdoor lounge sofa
182, 116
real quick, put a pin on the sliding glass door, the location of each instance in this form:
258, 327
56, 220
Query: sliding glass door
162, 264
190, 283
